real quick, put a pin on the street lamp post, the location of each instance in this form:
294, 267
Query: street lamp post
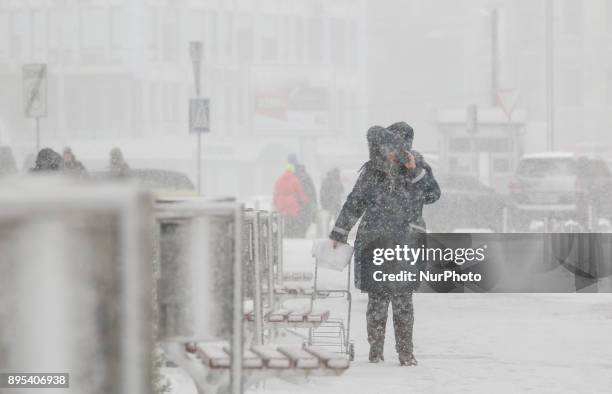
195, 52
494, 14
35, 94
550, 78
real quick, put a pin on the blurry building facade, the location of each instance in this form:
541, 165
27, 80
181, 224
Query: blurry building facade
275, 70
443, 51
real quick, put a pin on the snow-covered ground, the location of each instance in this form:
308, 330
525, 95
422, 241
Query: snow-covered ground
474, 343
477, 343
485, 343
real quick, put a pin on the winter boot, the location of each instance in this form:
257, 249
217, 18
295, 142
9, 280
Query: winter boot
376, 355
407, 360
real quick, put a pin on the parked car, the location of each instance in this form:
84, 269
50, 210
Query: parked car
163, 182
465, 203
561, 185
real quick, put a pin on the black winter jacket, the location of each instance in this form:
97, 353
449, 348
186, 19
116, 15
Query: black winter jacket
390, 207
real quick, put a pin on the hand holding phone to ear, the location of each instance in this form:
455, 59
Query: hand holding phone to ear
410, 162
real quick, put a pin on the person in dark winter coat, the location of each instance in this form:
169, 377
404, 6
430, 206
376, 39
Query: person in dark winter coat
71, 165
289, 199
309, 209
388, 197
47, 160
331, 192
118, 166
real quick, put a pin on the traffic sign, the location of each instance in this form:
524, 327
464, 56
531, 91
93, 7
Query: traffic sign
508, 99
35, 90
199, 115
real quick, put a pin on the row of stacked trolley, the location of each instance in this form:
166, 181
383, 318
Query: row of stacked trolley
78, 292
226, 304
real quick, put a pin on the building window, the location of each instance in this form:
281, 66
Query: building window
492, 145
92, 28
608, 16
338, 41
19, 28
39, 30
212, 37
354, 41
170, 100
501, 165
459, 145
460, 164
117, 103
196, 26
609, 87
136, 104
118, 27
54, 31
228, 39
300, 40
93, 34
151, 24
315, 40
244, 34
169, 31
4, 35
572, 17
572, 88
284, 34
531, 31
86, 97
269, 39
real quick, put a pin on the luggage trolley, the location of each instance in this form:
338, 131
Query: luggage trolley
334, 333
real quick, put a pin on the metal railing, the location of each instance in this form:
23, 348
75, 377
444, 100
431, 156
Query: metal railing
214, 258
75, 283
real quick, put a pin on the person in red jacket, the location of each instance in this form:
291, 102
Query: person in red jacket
289, 200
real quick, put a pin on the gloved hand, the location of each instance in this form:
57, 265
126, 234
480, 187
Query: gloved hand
406, 158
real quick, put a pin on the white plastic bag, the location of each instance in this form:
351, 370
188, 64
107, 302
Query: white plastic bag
328, 257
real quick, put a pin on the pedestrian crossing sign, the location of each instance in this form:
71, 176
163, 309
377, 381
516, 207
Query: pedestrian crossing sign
199, 115
35, 90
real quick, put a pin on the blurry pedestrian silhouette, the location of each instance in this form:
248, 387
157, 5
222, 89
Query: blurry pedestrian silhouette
118, 166
28, 163
308, 209
8, 165
71, 165
332, 192
289, 200
47, 160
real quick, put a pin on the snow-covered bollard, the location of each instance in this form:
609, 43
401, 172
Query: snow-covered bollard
75, 283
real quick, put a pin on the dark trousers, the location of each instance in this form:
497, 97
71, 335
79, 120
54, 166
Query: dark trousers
292, 226
296, 226
403, 320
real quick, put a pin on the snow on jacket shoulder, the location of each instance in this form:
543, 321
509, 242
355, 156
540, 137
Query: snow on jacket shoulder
389, 203
390, 207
